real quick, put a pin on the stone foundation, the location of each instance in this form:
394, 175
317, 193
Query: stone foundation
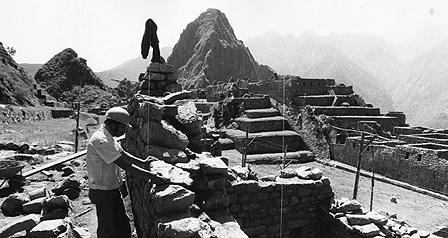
259, 208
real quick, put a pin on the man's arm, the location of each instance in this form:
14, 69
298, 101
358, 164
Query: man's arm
129, 158
122, 163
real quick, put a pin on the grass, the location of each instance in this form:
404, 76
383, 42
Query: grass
42, 133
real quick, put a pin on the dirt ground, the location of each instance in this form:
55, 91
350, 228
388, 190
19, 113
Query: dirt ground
422, 211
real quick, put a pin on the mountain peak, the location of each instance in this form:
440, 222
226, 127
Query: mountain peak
208, 51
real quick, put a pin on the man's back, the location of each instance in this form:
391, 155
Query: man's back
102, 151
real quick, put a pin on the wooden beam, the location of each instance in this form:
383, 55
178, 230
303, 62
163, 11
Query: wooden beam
54, 163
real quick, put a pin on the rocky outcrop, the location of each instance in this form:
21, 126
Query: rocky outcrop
16, 87
65, 71
208, 52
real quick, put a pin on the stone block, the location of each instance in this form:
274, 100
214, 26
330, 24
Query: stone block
167, 199
171, 173
156, 76
367, 230
212, 165
242, 172
173, 97
192, 166
217, 200
70, 186
171, 156
184, 228
377, 218
33, 206
12, 205
50, 228
81, 232
356, 219
187, 118
155, 67
38, 193
25, 223
348, 206
163, 134
173, 87
55, 207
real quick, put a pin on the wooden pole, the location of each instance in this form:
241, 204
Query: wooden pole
77, 107
373, 180
243, 164
358, 167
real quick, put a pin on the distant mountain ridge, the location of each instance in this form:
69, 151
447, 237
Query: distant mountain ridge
311, 55
129, 69
209, 52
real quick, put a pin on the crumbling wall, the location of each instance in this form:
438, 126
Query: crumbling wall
190, 199
420, 167
258, 206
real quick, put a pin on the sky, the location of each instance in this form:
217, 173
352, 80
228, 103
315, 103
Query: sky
108, 32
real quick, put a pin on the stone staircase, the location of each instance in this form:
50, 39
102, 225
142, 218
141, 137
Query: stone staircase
268, 133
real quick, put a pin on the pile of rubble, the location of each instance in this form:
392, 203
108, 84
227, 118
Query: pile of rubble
45, 214
355, 221
28, 149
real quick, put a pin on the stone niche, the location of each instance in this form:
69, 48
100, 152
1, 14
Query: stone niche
192, 201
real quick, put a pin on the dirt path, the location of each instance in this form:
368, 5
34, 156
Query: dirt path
421, 211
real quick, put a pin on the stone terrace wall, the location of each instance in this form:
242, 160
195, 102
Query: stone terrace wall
12, 114
257, 206
417, 166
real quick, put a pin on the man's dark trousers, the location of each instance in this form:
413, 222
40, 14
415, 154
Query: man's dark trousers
112, 219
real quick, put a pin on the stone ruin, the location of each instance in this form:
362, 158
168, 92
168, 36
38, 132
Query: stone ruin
203, 197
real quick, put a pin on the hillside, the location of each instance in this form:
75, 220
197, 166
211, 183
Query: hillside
129, 69
16, 87
64, 71
423, 95
208, 52
311, 56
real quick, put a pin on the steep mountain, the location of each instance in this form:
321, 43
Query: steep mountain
31, 69
208, 52
311, 55
65, 71
16, 87
423, 95
129, 69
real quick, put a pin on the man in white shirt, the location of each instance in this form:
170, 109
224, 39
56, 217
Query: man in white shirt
104, 159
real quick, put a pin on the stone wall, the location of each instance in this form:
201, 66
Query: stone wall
13, 114
341, 90
257, 206
413, 164
437, 138
387, 123
188, 197
345, 111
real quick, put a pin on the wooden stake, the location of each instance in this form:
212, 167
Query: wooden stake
358, 167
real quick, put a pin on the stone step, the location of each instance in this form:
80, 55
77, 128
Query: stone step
258, 113
346, 111
254, 125
301, 156
254, 103
267, 142
226, 144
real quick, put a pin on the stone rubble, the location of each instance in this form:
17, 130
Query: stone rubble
351, 218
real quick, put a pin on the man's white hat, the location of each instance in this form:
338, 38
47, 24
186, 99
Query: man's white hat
118, 114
